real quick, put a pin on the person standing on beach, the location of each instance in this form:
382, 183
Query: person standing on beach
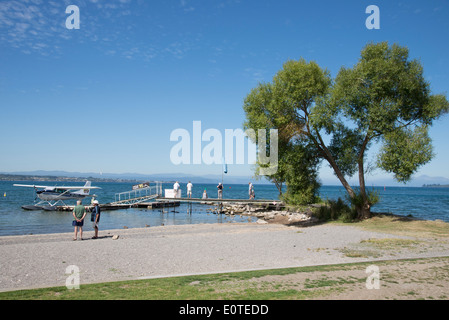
189, 189
79, 213
95, 218
220, 191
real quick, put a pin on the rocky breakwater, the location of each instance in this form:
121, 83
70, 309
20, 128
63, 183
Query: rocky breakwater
273, 213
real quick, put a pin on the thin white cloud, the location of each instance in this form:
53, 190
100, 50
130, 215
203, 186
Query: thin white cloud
186, 7
35, 26
30, 26
255, 74
38, 27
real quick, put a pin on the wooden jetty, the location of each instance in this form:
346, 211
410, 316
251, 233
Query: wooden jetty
157, 204
162, 202
216, 200
114, 206
220, 203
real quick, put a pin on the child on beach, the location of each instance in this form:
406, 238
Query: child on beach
79, 213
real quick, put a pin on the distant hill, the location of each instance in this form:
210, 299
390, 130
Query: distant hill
43, 175
374, 180
427, 180
30, 177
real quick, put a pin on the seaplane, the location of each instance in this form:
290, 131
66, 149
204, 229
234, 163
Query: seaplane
52, 196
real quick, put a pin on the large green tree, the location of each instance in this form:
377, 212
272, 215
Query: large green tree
383, 99
273, 105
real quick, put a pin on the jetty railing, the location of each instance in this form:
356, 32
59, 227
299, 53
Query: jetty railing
138, 195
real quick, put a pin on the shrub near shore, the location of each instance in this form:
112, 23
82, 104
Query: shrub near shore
333, 211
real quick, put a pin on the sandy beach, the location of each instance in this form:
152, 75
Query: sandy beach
34, 261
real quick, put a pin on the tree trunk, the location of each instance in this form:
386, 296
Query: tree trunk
339, 174
279, 187
330, 159
363, 212
363, 209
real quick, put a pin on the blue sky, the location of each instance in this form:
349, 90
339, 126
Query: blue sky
105, 97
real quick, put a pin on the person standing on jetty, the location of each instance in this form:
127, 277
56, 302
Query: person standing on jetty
220, 191
95, 218
176, 188
189, 189
79, 213
251, 191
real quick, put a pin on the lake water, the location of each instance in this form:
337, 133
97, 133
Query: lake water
424, 203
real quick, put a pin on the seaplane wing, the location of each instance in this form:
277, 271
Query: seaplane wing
30, 186
54, 187
86, 186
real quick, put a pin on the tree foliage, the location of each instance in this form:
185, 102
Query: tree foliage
415, 148
301, 174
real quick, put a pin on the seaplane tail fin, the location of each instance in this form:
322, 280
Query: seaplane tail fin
83, 191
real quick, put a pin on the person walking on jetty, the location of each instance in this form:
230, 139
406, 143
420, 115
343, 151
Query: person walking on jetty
95, 218
79, 213
220, 191
189, 189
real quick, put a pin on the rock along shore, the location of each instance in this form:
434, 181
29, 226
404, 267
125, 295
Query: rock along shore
273, 214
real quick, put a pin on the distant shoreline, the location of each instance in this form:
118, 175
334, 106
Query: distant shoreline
13, 177
435, 185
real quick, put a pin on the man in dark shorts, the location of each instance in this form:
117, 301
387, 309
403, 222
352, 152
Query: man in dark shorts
95, 218
79, 213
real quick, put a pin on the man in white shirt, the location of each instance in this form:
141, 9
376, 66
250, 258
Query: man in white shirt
176, 188
189, 189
